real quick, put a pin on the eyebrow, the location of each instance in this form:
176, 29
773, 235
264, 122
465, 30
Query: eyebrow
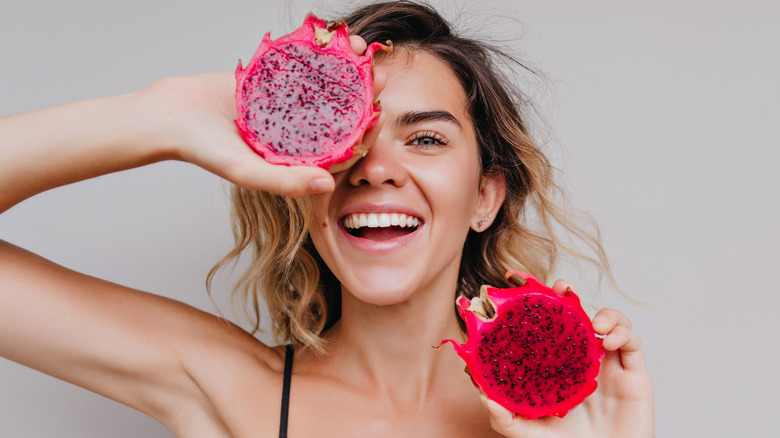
412, 117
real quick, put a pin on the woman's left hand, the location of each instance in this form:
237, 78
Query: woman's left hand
622, 406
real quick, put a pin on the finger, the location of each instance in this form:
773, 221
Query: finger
370, 136
562, 287
508, 424
358, 44
250, 171
624, 341
622, 338
291, 181
606, 319
380, 80
372, 133
502, 420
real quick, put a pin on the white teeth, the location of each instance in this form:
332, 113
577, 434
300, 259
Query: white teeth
380, 220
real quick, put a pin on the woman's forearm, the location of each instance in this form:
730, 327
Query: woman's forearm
51, 147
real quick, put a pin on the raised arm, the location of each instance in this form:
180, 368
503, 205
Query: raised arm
186, 118
148, 352
131, 346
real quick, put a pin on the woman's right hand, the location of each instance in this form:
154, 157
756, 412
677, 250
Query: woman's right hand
196, 115
198, 112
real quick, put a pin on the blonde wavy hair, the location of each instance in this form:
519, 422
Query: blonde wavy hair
302, 294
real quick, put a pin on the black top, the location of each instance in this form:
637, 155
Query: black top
288, 361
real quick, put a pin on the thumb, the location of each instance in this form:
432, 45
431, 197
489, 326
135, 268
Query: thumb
292, 181
502, 419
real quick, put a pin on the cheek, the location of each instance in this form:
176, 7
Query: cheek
320, 222
319, 208
453, 193
461, 206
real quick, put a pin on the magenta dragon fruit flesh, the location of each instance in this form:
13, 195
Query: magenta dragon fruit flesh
306, 98
529, 349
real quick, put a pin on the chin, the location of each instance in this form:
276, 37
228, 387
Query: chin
382, 298
381, 288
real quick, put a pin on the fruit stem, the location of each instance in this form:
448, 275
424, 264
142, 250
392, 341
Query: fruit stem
516, 280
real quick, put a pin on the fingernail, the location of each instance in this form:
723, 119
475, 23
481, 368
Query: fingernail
320, 185
599, 318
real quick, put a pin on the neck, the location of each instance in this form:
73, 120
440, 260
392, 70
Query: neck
393, 348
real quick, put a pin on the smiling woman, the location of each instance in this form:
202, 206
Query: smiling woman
359, 269
438, 184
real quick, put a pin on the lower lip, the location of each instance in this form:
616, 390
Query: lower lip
379, 246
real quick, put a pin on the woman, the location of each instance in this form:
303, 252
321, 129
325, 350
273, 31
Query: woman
361, 307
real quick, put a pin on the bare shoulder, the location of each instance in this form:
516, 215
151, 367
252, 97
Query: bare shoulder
215, 340
238, 376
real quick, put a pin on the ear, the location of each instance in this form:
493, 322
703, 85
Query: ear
492, 192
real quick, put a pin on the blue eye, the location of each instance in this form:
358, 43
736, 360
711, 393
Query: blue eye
427, 140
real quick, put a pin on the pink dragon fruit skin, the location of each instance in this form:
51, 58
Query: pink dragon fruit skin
306, 98
529, 349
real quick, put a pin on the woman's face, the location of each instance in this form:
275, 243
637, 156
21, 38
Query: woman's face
398, 218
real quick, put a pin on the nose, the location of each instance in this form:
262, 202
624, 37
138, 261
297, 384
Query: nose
380, 167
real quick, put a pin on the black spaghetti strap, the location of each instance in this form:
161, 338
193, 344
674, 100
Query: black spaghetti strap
288, 361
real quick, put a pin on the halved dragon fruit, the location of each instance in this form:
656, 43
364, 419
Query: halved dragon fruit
529, 349
306, 98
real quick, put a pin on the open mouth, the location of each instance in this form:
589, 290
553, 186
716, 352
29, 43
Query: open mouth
380, 226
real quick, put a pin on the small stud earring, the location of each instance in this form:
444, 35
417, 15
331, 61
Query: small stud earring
483, 220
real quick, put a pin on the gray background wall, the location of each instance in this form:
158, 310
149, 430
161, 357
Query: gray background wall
665, 120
